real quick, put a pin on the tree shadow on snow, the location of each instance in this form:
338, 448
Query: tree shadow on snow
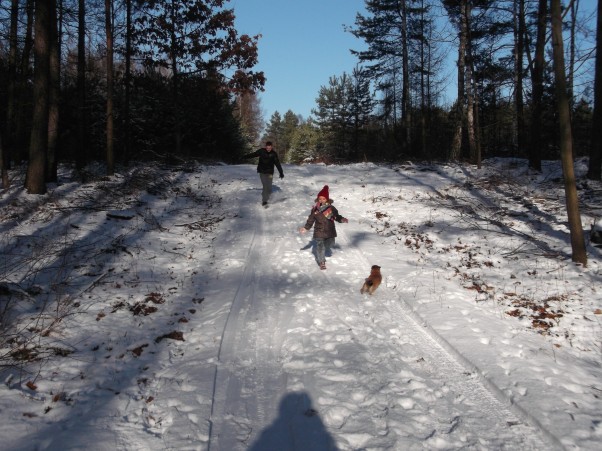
298, 427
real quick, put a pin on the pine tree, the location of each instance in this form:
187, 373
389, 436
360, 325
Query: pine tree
274, 132
289, 126
306, 143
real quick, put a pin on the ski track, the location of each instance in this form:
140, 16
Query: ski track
282, 353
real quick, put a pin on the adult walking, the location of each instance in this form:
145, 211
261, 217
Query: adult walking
268, 158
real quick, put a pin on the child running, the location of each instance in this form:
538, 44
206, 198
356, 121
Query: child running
322, 216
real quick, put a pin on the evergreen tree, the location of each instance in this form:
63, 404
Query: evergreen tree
362, 106
275, 132
385, 31
344, 107
403, 62
289, 125
334, 116
306, 143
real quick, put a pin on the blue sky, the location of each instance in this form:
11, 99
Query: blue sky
303, 45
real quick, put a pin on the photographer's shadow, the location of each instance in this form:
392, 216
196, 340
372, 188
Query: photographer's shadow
298, 427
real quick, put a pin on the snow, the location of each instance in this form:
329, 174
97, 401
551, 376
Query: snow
164, 308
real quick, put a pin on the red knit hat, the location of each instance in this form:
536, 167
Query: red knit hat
324, 192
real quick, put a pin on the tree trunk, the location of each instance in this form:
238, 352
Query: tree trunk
176, 88
520, 26
3, 168
535, 148
35, 181
423, 80
110, 138
566, 139
477, 126
573, 8
456, 147
21, 111
405, 77
80, 158
11, 86
594, 171
128, 79
54, 93
471, 92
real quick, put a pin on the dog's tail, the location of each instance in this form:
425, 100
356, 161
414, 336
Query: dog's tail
369, 282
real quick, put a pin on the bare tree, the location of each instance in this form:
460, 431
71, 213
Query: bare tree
248, 111
566, 139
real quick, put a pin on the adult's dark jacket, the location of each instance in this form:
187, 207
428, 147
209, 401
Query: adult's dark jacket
267, 161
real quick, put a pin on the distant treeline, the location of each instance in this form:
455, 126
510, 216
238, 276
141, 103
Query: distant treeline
125, 80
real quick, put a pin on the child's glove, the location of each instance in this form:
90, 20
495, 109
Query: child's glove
345, 220
302, 230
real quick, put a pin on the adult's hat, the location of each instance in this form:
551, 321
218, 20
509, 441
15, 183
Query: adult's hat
324, 192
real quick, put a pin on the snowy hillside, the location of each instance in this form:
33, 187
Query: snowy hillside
164, 308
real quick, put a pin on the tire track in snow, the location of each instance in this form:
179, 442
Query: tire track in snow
229, 428
249, 379
501, 424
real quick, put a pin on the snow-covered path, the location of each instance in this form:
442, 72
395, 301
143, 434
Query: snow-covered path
297, 336
178, 314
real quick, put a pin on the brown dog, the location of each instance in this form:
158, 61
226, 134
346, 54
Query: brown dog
372, 281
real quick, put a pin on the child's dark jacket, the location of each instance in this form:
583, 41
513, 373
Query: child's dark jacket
323, 221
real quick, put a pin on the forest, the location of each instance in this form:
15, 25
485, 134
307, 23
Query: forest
122, 81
